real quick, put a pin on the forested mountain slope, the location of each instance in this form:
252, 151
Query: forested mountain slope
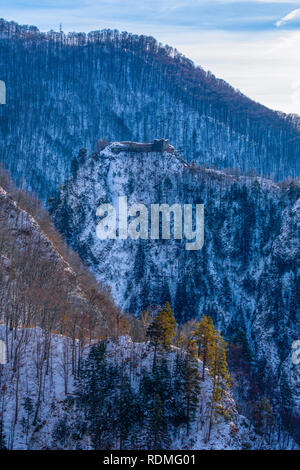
63, 383
245, 277
67, 91
116, 380
42, 281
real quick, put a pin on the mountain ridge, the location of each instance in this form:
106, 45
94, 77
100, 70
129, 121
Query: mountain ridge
31, 32
72, 90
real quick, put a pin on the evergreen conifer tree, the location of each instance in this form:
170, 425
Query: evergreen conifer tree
191, 383
204, 335
162, 330
95, 391
220, 376
127, 411
158, 437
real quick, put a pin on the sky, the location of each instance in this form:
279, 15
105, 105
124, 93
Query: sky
252, 44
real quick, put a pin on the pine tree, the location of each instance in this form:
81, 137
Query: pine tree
221, 380
263, 417
94, 394
178, 398
158, 437
74, 167
156, 400
204, 335
191, 383
127, 411
157, 381
162, 330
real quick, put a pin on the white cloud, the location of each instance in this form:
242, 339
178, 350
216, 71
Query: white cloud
266, 68
294, 15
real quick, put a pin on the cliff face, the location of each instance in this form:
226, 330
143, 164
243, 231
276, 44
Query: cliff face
49, 320
64, 92
245, 276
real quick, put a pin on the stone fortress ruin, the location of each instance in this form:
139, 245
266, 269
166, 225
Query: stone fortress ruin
158, 145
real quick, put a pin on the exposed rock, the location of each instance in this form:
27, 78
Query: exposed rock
245, 276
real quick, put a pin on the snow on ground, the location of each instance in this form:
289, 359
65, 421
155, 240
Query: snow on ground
58, 383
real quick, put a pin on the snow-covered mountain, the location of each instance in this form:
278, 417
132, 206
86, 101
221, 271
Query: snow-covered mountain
42, 282
21, 393
52, 312
245, 277
66, 91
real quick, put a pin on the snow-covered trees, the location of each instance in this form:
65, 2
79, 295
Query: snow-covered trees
211, 349
147, 409
244, 277
218, 370
45, 288
121, 86
204, 336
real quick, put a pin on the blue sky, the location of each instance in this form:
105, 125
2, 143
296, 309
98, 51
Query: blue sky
253, 44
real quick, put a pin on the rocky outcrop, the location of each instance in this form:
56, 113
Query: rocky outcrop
158, 145
245, 276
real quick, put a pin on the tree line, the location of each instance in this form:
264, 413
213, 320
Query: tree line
112, 409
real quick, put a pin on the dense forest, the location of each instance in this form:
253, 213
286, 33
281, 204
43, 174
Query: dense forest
142, 344
245, 277
80, 374
66, 91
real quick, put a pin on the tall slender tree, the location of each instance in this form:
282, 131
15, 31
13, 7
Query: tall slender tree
191, 383
162, 330
220, 376
204, 335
